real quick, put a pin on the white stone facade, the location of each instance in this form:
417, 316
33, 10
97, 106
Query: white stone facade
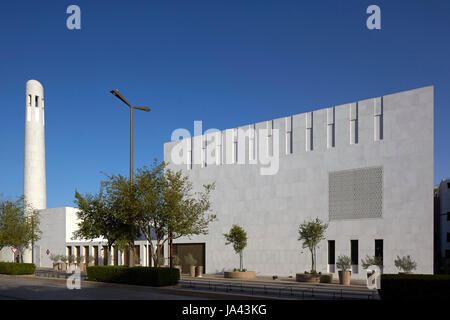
393, 133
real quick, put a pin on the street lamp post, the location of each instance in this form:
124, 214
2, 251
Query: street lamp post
147, 109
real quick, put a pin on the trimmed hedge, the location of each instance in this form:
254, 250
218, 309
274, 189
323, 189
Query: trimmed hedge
415, 287
144, 276
16, 268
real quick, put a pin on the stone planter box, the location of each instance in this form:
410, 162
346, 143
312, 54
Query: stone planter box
326, 278
192, 271
239, 275
344, 277
199, 271
302, 277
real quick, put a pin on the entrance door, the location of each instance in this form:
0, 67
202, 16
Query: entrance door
196, 249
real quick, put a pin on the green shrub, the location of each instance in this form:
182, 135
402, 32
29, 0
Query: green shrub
145, 276
415, 287
16, 268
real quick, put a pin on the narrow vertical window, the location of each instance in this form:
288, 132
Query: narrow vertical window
203, 160
331, 256
288, 135
354, 255
330, 128
29, 100
354, 123
189, 153
218, 148
235, 146
251, 143
379, 249
378, 119
309, 131
269, 125
36, 101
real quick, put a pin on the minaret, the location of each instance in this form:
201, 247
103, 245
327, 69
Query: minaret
34, 178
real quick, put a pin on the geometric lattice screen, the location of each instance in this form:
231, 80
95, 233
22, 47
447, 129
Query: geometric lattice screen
356, 193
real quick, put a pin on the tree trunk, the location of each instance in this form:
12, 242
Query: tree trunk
108, 255
131, 258
312, 260
241, 262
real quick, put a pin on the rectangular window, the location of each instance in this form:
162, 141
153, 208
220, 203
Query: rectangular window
354, 251
29, 100
269, 127
288, 135
189, 153
378, 119
379, 248
330, 128
354, 123
448, 236
331, 251
448, 216
447, 254
448, 185
218, 148
36, 101
309, 131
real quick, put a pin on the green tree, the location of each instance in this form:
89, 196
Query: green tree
238, 238
19, 225
98, 219
169, 206
311, 233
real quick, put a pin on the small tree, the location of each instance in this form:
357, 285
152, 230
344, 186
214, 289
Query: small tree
311, 233
238, 237
19, 225
406, 263
371, 261
176, 260
190, 260
344, 263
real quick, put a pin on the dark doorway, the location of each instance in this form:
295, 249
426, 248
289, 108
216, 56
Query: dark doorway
196, 249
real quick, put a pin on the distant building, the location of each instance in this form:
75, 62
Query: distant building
442, 217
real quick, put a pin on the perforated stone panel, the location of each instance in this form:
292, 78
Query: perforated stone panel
356, 193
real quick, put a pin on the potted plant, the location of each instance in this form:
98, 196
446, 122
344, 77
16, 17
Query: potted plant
90, 260
344, 263
176, 262
63, 259
372, 261
71, 261
79, 262
191, 262
311, 233
406, 264
238, 238
55, 259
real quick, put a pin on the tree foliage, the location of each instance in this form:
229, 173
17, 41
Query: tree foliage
169, 206
406, 263
238, 238
159, 203
19, 225
311, 233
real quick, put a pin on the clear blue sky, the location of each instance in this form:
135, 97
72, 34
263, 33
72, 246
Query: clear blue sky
227, 63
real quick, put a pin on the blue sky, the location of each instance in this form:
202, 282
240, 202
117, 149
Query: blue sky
227, 63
